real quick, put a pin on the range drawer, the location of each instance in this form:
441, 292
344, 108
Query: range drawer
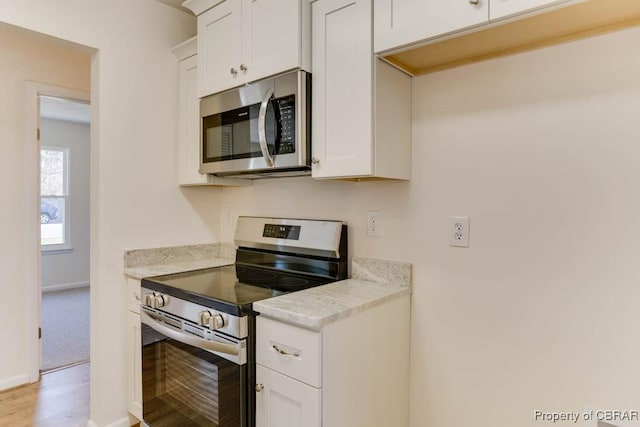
290, 350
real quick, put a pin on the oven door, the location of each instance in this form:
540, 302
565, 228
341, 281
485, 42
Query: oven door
256, 128
186, 384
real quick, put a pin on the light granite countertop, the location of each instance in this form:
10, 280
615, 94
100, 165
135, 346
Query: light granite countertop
374, 282
315, 307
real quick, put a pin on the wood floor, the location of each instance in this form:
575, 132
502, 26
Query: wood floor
60, 399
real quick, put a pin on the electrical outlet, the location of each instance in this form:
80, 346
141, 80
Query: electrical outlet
459, 231
374, 224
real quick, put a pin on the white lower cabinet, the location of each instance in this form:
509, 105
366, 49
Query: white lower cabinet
353, 372
134, 349
134, 371
284, 402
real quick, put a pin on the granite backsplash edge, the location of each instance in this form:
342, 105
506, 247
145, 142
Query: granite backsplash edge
176, 254
379, 270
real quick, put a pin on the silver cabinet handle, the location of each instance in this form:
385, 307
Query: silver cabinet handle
315, 160
233, 71
474, 2
262, 128
286, 353
259, 388
243, 67
188, 339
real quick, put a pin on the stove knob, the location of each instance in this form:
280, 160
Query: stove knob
212, 321
148, 299
204, 317
216, 321
160, 301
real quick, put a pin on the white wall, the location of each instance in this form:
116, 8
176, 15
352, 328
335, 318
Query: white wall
135, 200
541, 150
60, 269
24, 56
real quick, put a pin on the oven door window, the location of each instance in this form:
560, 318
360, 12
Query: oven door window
187, 386
234, 134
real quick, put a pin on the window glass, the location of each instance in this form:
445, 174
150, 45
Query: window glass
54, 196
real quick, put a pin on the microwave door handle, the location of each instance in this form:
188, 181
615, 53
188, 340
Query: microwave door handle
262, 128
193, 341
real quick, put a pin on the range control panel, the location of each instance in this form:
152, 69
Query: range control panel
277, 231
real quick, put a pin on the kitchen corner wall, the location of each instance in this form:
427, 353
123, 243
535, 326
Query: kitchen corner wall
541, 312
135, 198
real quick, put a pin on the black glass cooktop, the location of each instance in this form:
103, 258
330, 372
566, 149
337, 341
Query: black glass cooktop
232, 289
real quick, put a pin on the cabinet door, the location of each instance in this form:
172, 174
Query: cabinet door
285, 402
505, 8
342, 88
189, 125
271, 40
134, 377
402, 22
219, 48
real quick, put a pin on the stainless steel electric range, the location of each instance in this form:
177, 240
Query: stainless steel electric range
198, 327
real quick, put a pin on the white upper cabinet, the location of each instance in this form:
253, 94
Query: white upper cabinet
348, 140
272, 39
188, 124
240, 41
505, 8
342, 78
402, 22
219, 48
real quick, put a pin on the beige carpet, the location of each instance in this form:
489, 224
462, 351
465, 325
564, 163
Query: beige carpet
65, 328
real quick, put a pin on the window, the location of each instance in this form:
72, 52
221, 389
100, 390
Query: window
54, 198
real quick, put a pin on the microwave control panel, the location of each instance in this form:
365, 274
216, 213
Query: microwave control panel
286, 107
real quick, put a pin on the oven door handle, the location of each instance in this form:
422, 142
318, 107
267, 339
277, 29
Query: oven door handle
262, 128
189, 339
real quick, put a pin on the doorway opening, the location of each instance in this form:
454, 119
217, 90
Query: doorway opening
64, 135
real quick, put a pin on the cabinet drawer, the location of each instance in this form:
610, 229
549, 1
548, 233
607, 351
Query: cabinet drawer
290, 350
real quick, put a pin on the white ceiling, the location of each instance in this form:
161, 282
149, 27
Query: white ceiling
63, 109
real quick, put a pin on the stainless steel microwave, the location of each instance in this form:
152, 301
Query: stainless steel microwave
258, 130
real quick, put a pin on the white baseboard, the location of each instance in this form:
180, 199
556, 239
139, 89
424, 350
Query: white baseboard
122, 422
14, 381
65, 286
